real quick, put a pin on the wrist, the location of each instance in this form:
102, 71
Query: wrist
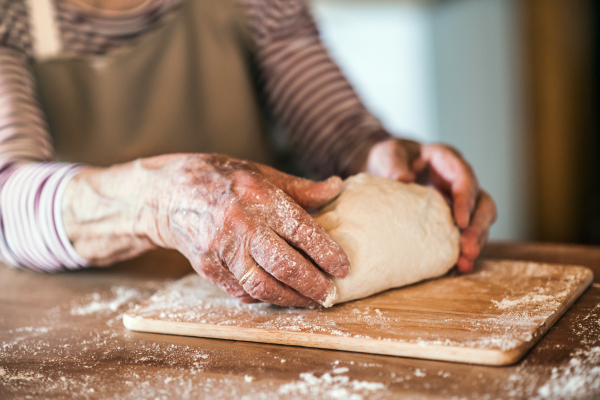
104, 214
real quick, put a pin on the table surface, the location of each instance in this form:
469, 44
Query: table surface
62, 336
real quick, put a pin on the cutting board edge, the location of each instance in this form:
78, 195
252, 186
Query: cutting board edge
493, 357
465, 355
549, 323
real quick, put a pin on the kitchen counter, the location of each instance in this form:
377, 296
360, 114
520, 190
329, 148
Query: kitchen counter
61, 336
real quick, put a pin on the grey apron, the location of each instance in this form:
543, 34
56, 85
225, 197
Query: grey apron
183, 86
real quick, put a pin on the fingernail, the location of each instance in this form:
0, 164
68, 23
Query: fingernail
331, 298
343, 271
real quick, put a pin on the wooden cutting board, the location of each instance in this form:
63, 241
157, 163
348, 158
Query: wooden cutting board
492, 316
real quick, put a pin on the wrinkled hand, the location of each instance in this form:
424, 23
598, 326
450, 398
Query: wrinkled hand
242, 226
443, 168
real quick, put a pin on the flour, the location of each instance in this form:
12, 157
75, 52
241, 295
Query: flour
539, 298
341, 370
513, 319
6, 376
61, 353
24, 333
580, 377
328, 386
158, 368
121, 296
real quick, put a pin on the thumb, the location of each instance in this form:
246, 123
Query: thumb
308, 194
393, 159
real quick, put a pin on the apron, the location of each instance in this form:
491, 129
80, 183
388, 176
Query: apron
184, 86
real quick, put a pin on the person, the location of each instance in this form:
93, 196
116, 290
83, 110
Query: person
164, 117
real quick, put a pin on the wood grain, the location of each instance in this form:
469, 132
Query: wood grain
491, 317
47, 351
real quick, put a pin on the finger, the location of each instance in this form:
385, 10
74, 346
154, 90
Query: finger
474, 238
308, 194
467, 261
279, 259
211, 268
394, 159
448, 166
262, 286
464, 265
296, 227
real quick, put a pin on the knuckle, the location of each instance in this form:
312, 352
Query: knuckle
251, 187
245, 177
451, 150
262, 290
263, 245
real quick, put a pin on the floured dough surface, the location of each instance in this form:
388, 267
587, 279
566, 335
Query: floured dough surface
394, 234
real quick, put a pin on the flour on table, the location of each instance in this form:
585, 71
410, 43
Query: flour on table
394, 234
330, 386
122, 296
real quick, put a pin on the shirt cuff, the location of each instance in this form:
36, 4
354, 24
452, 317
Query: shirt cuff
32, 233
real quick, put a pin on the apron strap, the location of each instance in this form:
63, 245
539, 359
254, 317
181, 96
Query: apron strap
44, 29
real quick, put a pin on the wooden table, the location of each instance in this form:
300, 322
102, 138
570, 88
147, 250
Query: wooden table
61, 336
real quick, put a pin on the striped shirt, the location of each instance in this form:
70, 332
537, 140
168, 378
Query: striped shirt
322, 118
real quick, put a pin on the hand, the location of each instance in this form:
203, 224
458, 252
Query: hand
443, 168
240, 224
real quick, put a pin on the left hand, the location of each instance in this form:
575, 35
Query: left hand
442, 167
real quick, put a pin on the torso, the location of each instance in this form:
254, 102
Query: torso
183, 86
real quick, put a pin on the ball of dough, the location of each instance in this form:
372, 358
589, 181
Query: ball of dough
394, 234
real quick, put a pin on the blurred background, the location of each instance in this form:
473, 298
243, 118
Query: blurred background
511, 83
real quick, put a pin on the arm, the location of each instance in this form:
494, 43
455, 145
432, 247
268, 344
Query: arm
235, 221
31, 234
240, 224
325, 122
335, 134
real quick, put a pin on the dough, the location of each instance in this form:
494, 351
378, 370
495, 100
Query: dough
394, 234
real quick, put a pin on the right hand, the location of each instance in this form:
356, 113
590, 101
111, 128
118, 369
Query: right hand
241, 225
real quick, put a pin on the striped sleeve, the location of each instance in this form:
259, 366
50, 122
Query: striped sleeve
324, 120
31, 230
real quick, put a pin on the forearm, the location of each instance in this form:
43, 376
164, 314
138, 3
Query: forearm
325, 122
112, 214
29, 236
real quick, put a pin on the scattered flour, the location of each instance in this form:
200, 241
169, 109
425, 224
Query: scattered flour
77, 357
328, 386
121, 296
577, 379
5, 376
420, 373
341, 370
538, 298
511, 320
